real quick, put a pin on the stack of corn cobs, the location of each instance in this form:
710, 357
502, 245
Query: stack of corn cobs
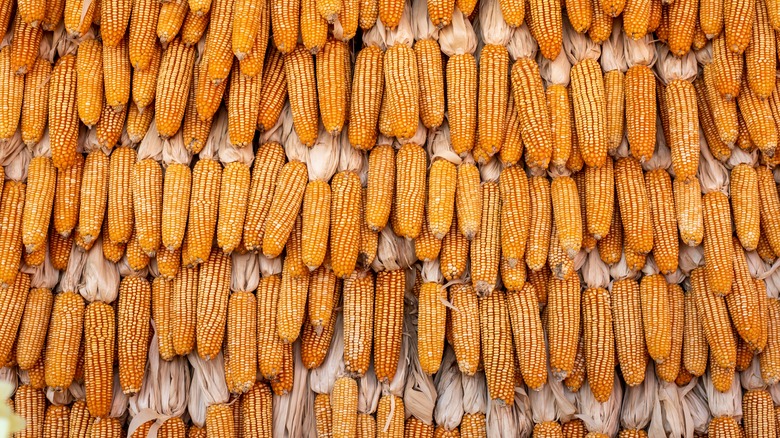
390, 218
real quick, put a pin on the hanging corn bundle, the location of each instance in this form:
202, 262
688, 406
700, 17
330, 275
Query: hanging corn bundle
725, 406
601, 419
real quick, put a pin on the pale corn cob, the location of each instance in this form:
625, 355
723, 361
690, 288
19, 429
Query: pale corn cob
66, 195
541, 223
116, 75
563, 323
173, 87
268, 162
63, 339
530, 102
388, 322
629, 330
252, 62
99, 332
212, 301
528, 335
640, 111
715, 322
497, 351
402, 87
145, 81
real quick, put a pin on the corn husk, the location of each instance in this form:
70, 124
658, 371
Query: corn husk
208, 386
712, 174
100, 279
449, 405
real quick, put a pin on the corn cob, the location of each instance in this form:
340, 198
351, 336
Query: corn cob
515, 223
38, 203
695, 347
528, 335
683, 128
358, 321
299, 71
599, 341
208, 95
759, 54
629, 331
35, 319
241, 342
252, 63
78, 16
402, 87
634, 205
567, 214
738, 18
759, 413
758, 119
656, 316
432, 321
171, 19
145, 81
213, 291
13, 297
718, 254
743, 301
465, 327
669, 370
745, 200
768, 359
314, 27
454, 253
497, 351
601, 23
234, 190
63, 339
35, 103
116, 75
269, 346
640, 111
729, 68
12, 86
682, 16
512, 146
468, 200
204, 204
410, 189
138, 123
485, 248
367, 91
563, 323
388, 322
274, 91
99, 332
24, 46
135, 296
344, 226
89, 71
541, 223
713, 314
173, 87
63, 113
268, 162
256, 411
530, 102
611, 246
292, 303
285, 206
